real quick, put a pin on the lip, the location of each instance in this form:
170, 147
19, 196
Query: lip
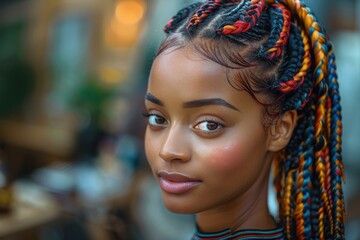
176, 183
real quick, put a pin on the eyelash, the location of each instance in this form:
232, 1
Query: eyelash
219, 124
148, 115
208, 120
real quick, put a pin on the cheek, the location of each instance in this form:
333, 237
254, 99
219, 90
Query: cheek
233, 166
232, 157
221, 159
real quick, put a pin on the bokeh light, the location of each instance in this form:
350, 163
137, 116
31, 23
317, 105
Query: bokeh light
129, 12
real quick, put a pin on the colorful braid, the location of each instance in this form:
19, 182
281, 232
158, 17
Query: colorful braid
318, 39
205, 10
279, 16
305, 171
180, 16
246, 21
331, 211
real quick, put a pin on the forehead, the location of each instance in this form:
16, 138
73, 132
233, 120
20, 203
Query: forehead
184, 70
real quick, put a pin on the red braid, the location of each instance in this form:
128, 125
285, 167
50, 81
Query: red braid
249, 19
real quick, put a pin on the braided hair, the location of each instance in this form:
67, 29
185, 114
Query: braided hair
295, 70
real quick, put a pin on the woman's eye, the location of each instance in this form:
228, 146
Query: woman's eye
156, 120
208, 126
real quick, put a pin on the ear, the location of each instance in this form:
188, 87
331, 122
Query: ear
281, 131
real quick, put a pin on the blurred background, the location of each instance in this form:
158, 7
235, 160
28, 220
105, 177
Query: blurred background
73, 74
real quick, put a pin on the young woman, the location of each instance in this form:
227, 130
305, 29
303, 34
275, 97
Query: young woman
236, 87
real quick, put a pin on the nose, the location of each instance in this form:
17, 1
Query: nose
176, 145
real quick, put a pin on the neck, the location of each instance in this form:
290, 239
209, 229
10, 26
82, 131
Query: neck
248, 211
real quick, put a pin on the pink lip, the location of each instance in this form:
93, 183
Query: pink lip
176, 183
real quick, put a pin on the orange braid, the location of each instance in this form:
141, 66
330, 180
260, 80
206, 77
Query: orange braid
327, 196
321, 222
299, 208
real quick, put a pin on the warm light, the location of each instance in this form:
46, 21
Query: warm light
124, 26
110, 75
129, 12
123, 32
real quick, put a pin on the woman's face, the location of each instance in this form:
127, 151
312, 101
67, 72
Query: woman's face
205, 141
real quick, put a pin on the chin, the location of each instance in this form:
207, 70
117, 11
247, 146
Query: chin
179, 204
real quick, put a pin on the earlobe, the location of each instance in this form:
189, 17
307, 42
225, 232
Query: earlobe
282, 130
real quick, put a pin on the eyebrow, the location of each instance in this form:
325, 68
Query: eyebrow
153, 99
194, 103
210, 101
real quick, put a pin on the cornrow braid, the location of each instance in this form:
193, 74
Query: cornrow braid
242, 22
296, 65
280, 19
180, 16
205, 10
296, 79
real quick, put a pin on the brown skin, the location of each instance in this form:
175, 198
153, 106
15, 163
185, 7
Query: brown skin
229, 151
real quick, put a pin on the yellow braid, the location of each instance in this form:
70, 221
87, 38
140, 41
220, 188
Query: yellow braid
299, 208
288, 211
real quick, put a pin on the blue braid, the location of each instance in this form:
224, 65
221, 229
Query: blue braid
307, 175
314, 208
335, 143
